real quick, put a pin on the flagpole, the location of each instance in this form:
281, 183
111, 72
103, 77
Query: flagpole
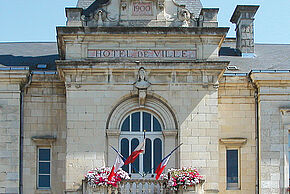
124, 159
143, 174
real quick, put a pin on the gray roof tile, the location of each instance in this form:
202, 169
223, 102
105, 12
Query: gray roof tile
268, 57
29, 54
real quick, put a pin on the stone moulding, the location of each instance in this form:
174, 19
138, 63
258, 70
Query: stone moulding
111, 132
170, 133
47, 139
233, 141
285, 111
153, 104
143, 30
103, 64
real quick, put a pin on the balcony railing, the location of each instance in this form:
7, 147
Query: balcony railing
136, 186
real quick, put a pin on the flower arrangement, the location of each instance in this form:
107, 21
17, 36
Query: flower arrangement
185, 177
98, 177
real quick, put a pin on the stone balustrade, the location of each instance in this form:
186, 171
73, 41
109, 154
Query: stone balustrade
135, 186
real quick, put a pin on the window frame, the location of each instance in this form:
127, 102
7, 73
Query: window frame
38, 164
152, 135
234, 187
153, 115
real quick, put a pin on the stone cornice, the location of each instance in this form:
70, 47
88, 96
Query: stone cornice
233, 141
271, 79
121, 30
244, 8
44, 139
285, 111
209, 72
15, 75
133, 65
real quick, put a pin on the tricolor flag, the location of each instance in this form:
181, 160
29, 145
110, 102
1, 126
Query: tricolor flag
163, 163
118, 164
139, 150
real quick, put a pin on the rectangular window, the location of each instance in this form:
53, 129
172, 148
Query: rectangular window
44, 168
232, 160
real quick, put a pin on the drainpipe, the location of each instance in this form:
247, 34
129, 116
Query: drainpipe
257, 133
22, 88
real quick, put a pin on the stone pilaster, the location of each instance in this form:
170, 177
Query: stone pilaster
10, 81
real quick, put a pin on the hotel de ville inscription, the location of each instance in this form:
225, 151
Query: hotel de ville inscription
142, 53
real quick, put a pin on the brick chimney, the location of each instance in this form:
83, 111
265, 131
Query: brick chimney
243, 17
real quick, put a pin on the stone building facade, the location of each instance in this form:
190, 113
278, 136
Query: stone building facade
218, 96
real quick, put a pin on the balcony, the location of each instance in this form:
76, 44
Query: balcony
136, 186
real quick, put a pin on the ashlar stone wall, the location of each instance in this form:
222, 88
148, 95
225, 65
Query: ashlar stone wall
10, 81
92, 93
45, 126
237, 125
9, 139
274, 90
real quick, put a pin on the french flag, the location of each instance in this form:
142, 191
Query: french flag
118, 164
164, 162
139, 150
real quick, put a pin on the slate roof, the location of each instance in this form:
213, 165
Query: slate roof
29, 54
268, 56
194, 6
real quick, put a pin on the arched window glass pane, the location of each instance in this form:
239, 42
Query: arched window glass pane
156, 125
125, 151
146, 121
157, 152
147, 157
126, 124
135, 165
136, 121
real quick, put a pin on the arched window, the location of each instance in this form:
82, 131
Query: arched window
132, 134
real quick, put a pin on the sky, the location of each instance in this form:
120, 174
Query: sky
35, 20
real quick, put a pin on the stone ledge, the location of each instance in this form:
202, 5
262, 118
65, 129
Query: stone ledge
112, 132
167, 133
233, 141
142, 30
47, 139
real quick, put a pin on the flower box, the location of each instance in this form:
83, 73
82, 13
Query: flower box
184, 180
98, 178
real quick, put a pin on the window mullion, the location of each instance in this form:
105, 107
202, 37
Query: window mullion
130, 153
141, 121
152, 152
151, 117
130, 122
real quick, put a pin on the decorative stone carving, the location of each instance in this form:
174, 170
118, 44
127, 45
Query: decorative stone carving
142, 97
124, 5
100, 16
184, 16
161, 5
112, 17
142, 84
